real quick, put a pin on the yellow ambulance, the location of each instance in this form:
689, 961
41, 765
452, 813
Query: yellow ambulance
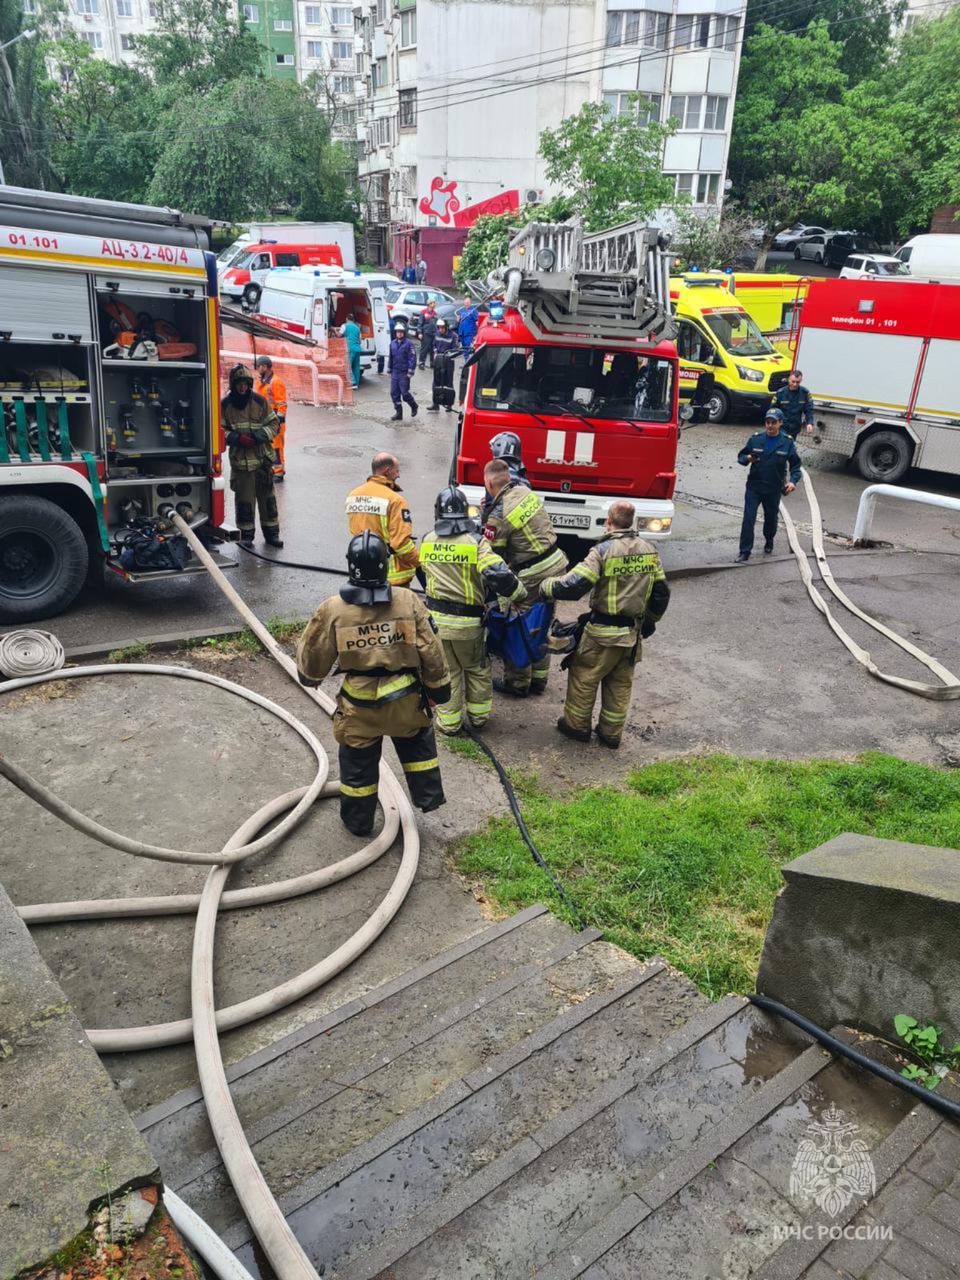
774, 301
717, 335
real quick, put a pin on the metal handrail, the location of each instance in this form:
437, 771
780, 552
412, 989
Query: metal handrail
868, 503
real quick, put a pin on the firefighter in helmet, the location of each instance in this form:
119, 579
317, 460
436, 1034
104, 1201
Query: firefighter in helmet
250, 426
628, 597
519, 529
461, 570
385, 643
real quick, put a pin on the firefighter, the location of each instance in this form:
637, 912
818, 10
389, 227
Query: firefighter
443, 353
249, 426
629, 596
519, 529
506, 446
379, 505
274, 391
403, 361
385, 643
461, 569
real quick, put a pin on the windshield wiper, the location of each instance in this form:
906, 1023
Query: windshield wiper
573, 414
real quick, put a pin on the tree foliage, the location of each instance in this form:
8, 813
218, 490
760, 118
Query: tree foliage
610, 166
709, 240
198, 46
24, 131
863, 28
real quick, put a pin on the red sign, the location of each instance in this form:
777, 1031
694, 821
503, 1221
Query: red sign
505, 202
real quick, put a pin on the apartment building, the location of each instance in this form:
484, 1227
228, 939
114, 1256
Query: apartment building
455, 93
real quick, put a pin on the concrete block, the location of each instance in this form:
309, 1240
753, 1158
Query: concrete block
66, 1137
865, 929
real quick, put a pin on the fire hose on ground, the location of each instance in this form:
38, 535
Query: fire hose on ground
264, 1215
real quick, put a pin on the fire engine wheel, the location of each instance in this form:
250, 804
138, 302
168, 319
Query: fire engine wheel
717, 405
251, 294
884, 457
43, 558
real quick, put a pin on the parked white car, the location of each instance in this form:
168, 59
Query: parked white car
813, 247
789, 238
872, 266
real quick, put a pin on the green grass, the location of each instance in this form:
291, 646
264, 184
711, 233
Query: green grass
683, 860
245, 642
130, 653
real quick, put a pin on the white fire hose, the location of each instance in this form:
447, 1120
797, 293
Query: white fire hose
261, 1209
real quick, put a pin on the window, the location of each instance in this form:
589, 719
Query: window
312, 15
623, 27
314, 48
251, 13
381, 131
738, 333
288, 259
284, 59
708, 185
647, 106
283, 24
380, 73
655, 28
153, 8
699, 111
692, 344
725, 33
359, 64
29, 6
341, 17
343, 84
381, 12
88, 6
342, 51
127, 43
124, 8
408, 108
693, 31
408, 28
93, 38
572, 381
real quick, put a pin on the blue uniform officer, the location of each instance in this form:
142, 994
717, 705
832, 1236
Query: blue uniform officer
403, 361
796, 404
467, 323
769, 454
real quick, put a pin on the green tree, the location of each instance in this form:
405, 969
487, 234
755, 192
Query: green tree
102, 122
862, 27
199, 45
24, 129
609, 165
789, 89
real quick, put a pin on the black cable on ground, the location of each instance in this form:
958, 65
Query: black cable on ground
932, 1099
518, 818
291, 564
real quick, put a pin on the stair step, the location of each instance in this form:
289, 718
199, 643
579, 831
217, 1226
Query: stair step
310, 1064
296, 1143
732, 1205
428, 1157
729, 1059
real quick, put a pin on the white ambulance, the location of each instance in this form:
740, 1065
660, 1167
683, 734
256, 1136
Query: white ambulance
313, 302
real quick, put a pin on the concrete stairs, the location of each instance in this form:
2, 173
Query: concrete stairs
535, 1103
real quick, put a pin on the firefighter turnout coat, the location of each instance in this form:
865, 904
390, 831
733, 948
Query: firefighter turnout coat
628, 596
461, 570
380, 506
518, 527
255, 419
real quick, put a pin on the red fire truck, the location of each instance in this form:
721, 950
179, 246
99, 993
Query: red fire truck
108, 392
881, 360
579, 360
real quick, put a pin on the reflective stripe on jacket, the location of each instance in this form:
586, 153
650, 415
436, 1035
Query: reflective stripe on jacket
620, 573
378, 505
519, 528
461, 568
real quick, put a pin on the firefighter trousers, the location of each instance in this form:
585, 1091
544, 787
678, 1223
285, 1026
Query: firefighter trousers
359, 732
255, 488
470, 678
608, 668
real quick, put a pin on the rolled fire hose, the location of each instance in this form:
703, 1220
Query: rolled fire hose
28, 653
948, 690
280, 1245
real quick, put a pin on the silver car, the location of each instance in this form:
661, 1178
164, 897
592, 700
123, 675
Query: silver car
407, 302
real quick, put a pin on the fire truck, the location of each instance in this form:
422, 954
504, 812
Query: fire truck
109, 395
881, 360
577, 356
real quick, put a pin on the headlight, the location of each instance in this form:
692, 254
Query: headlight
656, 524
472, 511
749, 375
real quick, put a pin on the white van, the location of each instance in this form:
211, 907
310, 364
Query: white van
932, 257
315, 301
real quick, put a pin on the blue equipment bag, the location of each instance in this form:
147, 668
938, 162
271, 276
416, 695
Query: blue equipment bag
520, 638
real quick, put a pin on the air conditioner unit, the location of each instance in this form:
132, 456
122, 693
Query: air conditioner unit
532, 196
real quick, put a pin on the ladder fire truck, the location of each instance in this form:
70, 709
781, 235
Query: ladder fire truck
108, 393
576, 355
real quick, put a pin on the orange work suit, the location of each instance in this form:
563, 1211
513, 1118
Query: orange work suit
274, 391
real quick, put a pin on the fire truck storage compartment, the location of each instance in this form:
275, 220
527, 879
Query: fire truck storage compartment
128, 497
154, 407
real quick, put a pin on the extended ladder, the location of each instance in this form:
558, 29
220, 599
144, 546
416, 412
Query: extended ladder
589, 287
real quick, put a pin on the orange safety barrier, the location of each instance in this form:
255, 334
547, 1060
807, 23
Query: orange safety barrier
301, 386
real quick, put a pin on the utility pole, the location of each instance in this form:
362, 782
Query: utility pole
10, 94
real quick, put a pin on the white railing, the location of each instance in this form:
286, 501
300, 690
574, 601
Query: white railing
316, 377
868, 503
